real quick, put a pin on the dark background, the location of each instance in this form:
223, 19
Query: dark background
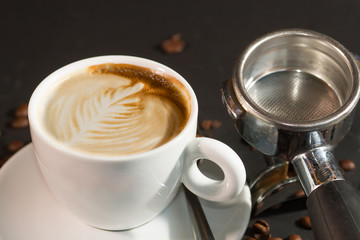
38, 37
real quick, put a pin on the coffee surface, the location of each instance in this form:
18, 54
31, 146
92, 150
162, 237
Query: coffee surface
116, 109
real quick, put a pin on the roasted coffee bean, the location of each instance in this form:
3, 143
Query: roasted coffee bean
276, 238
347, 164
175, 44
20, 122
299, 193
210, 124
215, 124
262, 227
294, 237
205, 124
305, 222
21, 110
15, 146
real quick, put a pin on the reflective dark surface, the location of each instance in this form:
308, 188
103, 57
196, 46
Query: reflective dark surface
38, 37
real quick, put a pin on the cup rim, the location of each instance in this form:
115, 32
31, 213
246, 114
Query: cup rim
46, 83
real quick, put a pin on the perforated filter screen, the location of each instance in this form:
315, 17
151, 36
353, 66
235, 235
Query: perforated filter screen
294, 96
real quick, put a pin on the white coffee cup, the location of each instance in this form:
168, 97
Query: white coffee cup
123, 192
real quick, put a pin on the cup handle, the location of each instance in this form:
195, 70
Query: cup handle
226, 158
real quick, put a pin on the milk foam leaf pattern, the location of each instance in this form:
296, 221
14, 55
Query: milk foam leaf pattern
100, 120
118, 112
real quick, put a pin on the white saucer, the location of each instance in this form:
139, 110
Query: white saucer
29, 211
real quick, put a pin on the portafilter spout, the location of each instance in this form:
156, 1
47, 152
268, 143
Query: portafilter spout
292, 97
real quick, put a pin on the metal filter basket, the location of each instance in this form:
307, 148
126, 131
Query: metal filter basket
292, 97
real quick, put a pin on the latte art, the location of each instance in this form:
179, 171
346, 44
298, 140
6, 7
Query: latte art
116, 109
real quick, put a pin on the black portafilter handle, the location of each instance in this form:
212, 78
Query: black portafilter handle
333, 204
334, 210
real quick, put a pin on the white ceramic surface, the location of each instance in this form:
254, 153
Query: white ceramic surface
122, 192
29, 211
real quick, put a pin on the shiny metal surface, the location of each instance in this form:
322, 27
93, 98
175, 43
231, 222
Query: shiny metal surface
274, 185
313, 56
292, 97
318, 165
201, 227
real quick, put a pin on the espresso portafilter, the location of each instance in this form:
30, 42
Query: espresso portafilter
292, 97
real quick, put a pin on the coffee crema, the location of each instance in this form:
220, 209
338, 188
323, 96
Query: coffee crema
116, 109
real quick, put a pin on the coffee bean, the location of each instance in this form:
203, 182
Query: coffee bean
276, 238
299, 193
15, 146
215, 124
261, 227
175, 44
294, 237
347, 164
21, 110
205, 124
305, 222
20, 122
210, 124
